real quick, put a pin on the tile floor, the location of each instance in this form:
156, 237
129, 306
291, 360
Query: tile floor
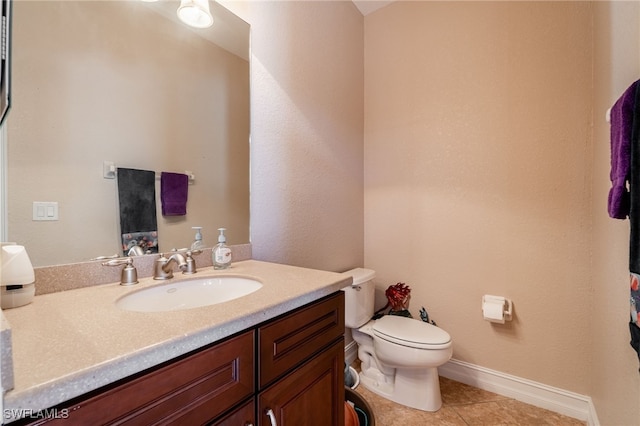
465, 406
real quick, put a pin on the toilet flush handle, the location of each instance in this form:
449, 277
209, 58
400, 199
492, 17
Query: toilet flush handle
272, 417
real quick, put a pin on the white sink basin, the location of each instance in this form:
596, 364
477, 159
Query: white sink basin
188, 294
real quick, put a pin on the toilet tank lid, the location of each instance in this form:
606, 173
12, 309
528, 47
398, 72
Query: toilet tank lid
361, 275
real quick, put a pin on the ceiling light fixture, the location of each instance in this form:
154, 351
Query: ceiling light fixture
195, 13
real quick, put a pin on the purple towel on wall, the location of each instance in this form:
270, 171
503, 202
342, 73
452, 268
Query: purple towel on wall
174, 188
622, 114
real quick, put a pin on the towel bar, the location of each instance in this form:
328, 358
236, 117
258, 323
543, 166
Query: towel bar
109, 171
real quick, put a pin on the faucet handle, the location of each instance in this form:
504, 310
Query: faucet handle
113, 256
191, 262
129, 273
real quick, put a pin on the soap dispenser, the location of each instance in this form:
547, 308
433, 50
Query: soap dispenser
221, 254
197, 244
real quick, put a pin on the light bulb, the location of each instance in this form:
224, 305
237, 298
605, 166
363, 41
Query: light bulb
195, 13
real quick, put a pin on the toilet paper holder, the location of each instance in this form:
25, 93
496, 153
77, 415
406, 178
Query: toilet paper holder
496, 308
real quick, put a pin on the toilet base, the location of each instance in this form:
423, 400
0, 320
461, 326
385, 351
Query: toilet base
415, 388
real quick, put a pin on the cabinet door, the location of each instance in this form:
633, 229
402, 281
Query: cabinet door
242, 416
288, 341
311, 395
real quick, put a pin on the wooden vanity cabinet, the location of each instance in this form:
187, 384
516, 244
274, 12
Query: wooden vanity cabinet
289, 369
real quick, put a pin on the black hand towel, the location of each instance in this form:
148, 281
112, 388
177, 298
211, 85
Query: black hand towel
634, 189
137, 198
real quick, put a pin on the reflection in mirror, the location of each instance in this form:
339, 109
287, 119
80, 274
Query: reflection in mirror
125, 82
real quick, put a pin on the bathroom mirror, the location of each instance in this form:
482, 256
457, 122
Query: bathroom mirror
124, 82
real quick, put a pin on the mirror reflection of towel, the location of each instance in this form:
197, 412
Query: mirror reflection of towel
174, 188
137, 198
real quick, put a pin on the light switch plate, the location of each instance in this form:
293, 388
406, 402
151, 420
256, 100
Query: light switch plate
45, 210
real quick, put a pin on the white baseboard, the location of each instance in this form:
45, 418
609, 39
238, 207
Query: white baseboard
350, 352
530, 392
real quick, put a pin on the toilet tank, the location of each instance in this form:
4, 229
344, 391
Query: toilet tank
359, 297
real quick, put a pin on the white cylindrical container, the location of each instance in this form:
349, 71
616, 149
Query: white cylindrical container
17, 278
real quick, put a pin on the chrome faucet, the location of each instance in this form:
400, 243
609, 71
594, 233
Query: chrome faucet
135, 251
163, 269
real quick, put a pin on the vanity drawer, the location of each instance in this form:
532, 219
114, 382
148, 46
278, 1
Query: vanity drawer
286, 342
192, 390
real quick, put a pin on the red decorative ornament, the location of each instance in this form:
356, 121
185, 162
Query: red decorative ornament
398, 296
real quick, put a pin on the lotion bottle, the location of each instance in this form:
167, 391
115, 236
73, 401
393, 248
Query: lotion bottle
197, 244
221, 254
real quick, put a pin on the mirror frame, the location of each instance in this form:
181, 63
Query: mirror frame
5, 60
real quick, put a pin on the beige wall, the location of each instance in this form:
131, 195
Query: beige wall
477, 175
614, 367
306, 132
479, 167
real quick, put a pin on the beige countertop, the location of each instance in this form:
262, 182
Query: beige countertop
68, 343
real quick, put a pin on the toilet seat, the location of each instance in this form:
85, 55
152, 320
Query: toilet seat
410, 332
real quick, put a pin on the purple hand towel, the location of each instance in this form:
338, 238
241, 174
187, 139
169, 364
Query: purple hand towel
622, 114
174, 188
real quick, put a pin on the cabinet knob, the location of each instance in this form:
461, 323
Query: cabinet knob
272, 417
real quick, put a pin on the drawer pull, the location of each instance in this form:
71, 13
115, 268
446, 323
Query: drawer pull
272, 417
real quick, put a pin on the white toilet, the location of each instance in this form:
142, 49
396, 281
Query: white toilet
399, 356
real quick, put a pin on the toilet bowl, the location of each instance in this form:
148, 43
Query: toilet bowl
399, 356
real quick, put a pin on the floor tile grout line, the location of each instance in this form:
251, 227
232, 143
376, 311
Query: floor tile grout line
460, 416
